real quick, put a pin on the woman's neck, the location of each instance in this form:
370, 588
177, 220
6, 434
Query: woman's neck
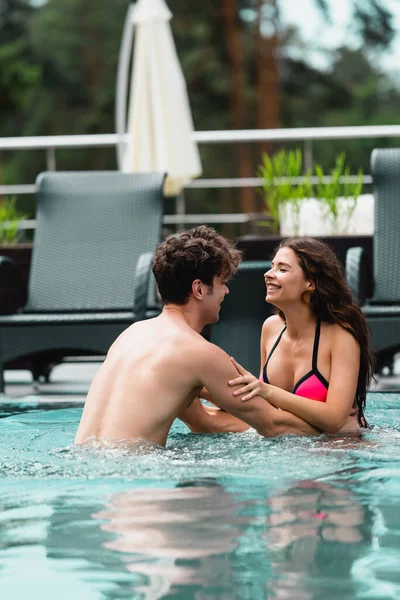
299, 321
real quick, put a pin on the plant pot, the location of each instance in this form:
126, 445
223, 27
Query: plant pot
10, 297
21, 254
257, 247
314, 220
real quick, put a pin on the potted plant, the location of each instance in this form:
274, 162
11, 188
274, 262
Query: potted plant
338, 199
322, 206
10, 219
284, 185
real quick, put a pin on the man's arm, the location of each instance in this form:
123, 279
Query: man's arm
216, 369
205, 419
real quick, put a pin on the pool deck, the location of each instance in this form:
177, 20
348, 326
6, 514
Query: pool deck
70, 382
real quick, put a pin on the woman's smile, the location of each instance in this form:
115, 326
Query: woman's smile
271, 287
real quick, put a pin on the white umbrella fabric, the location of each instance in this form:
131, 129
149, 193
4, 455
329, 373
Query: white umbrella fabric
160, 127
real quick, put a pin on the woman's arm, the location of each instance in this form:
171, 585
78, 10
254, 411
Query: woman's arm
217, 369
330, 416
207, 419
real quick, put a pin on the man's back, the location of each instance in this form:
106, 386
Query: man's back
150, 374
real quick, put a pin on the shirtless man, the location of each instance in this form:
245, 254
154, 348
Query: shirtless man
155, 370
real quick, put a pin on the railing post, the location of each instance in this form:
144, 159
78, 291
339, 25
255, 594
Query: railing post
181, 203
308, 155
51, 159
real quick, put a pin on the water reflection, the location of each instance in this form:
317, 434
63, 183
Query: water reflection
204, 540
315, 533
178, 539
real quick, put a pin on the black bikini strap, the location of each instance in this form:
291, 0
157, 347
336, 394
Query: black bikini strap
316, 345
275, 345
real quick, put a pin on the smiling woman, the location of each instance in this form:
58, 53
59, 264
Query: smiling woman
316, 347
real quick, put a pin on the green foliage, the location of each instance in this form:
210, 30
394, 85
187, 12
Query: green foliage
338, 198
18, 71
16, 75
10, 219
58, 65
279, 190
375, 22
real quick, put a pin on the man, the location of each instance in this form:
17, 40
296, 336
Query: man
155, 369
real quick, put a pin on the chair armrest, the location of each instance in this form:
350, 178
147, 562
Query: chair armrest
154, 301
142, 282
358, 274
13, 292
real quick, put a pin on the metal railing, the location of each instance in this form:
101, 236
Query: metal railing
307, 135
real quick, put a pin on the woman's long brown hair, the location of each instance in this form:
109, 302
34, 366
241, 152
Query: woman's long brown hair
332, 302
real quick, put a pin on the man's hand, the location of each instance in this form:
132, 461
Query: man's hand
252, 386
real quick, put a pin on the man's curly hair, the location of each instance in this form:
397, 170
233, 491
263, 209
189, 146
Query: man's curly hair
200, 253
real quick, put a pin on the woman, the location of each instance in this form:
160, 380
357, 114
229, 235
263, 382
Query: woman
315, 357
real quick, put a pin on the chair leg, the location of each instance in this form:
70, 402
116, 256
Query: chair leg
386, 360
41, 370
2, 385
46, 371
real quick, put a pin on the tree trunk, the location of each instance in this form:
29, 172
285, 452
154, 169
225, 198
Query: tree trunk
91, 60
237, 73
267, 68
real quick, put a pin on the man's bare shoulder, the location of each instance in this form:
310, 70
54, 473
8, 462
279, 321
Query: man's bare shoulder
194, 356
212, 359
209, 351
194, 344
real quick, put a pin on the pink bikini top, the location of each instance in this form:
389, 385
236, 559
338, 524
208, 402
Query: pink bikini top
312, 385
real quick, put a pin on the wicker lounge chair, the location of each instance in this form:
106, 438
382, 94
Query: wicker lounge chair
243, 312
91, 275
377, 289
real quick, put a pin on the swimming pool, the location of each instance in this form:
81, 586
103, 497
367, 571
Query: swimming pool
228, 516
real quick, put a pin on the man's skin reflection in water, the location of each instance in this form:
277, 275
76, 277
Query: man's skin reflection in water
178, 539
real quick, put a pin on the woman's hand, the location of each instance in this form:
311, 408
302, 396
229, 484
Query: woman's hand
251, 385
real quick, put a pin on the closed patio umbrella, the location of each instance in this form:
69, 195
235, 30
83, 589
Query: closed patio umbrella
160, 127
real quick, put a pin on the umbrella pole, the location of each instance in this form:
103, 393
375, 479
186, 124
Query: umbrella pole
121, 94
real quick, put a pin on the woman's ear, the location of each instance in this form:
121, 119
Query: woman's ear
311, 286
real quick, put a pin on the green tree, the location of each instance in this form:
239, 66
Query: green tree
58, 69
18, 72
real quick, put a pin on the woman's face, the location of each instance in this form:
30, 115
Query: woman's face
285, 281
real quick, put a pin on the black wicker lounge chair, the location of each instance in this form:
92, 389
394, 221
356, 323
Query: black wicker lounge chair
243, 312
377, 287
91, 275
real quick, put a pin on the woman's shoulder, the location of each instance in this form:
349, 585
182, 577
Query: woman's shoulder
339, 335
273, 325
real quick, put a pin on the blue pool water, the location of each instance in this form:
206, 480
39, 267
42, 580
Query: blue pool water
224, 517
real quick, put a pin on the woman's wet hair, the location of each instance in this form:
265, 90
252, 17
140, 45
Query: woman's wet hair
331, 301
200, 253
